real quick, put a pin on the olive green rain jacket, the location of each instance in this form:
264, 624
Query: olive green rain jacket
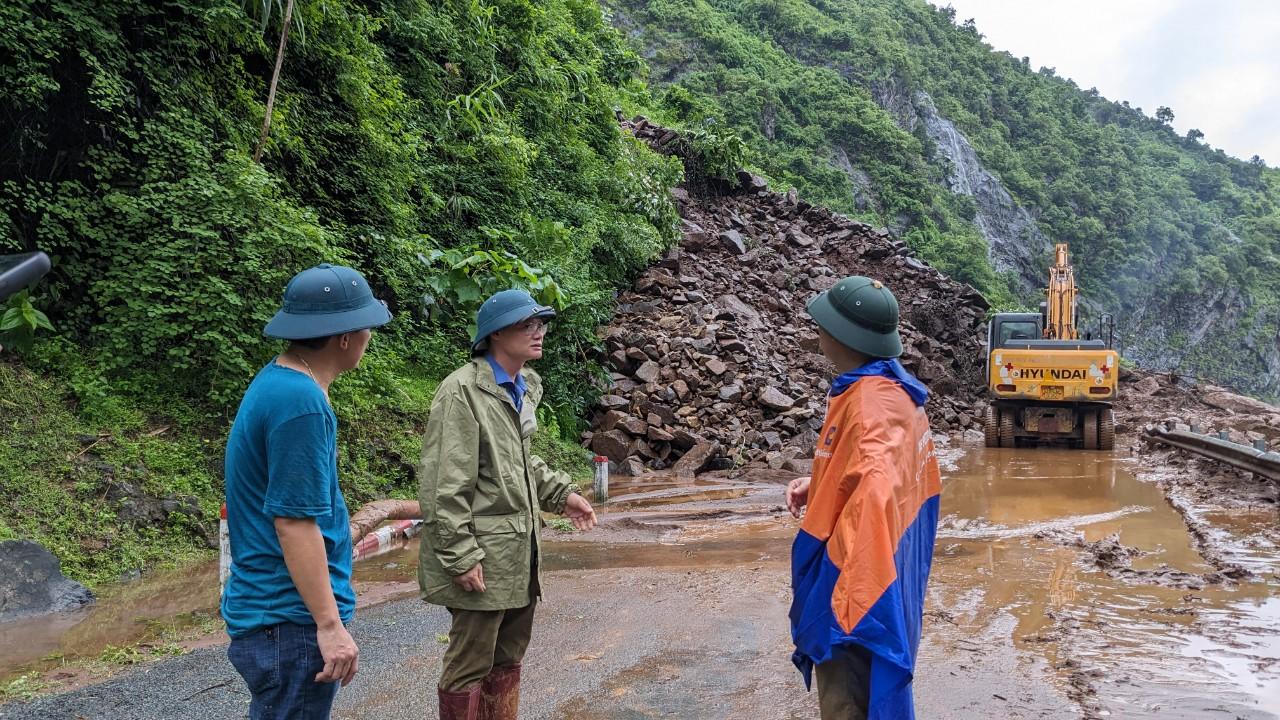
481, 491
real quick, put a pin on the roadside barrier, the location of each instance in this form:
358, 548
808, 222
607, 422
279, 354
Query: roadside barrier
602, 478
224, 550
367, 546
384, 537
1252, 459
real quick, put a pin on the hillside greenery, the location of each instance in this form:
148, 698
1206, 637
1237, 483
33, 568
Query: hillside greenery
1158, 223
403, 130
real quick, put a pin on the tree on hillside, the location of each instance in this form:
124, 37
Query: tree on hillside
275, 74
1194, 135
1164, 115
1257, 161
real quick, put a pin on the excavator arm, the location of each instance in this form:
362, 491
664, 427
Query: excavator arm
1060, 305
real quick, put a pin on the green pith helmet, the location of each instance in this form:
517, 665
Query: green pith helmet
861, 314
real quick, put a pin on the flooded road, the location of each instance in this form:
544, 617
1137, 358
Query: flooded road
1063, 586
1104, 581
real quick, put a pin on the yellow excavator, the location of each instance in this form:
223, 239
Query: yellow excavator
1047, 385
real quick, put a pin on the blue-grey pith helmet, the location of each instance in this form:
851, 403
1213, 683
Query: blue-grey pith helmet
504, 309
326, 300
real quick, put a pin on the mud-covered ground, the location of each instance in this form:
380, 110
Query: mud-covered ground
1066, 584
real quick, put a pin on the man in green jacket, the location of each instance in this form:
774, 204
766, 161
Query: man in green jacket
481, 492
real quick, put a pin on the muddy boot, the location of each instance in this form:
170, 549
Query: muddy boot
500, 694
460, 704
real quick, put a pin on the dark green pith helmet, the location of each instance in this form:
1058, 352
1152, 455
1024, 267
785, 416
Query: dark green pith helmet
861, 314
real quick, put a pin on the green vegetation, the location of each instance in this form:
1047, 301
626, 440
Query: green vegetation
19, 322
401, 130
561, 524
23, 687
1162, 227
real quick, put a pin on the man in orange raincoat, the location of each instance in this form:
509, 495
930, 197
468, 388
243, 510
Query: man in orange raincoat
861, 560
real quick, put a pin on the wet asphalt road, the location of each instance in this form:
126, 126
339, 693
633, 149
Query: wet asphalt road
618, 643
586, 661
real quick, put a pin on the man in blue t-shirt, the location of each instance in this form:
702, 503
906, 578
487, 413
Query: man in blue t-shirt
289, 597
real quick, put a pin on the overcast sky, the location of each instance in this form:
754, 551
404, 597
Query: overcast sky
1215, 64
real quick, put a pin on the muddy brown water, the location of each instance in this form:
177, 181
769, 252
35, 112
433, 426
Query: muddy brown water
1137, 626
1146, 643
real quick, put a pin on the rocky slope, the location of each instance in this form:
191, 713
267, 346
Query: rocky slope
1219, 332
849, 99
714, 358
715, 361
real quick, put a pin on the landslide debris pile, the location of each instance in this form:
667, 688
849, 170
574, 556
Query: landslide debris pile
715, 361
1171, 400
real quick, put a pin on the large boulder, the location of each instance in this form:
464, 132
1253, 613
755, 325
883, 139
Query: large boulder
775, 400
32, 583
1238, 403
694, 460
613, 444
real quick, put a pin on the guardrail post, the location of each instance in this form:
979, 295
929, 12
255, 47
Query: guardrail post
1260, 445
1224, 435
1195, 428
224, 550
602, 478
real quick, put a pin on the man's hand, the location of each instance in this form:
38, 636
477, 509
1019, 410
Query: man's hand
579, 512
471, 580
797, 495
341, 656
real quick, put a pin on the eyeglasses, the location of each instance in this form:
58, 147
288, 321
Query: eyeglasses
532, 326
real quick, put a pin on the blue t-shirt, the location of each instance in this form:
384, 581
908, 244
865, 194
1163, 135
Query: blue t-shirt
282, 461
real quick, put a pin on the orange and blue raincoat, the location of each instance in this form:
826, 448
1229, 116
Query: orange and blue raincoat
861, 560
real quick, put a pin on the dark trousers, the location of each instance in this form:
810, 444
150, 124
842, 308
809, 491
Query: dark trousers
480, 640
279, 664
844, 684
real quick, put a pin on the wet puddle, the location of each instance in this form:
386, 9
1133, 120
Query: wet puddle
164, 610
175, 607
1104, 581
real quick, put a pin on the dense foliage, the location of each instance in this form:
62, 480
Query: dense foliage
1180, 239
402, 129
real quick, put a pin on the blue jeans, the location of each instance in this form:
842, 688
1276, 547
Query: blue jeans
279, 664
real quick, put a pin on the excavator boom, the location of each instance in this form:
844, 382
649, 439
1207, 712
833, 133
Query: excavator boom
1060, 310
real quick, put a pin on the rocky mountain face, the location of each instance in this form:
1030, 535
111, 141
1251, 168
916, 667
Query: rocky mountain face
1176, 240
715, 361
1016, 244
1216, 334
